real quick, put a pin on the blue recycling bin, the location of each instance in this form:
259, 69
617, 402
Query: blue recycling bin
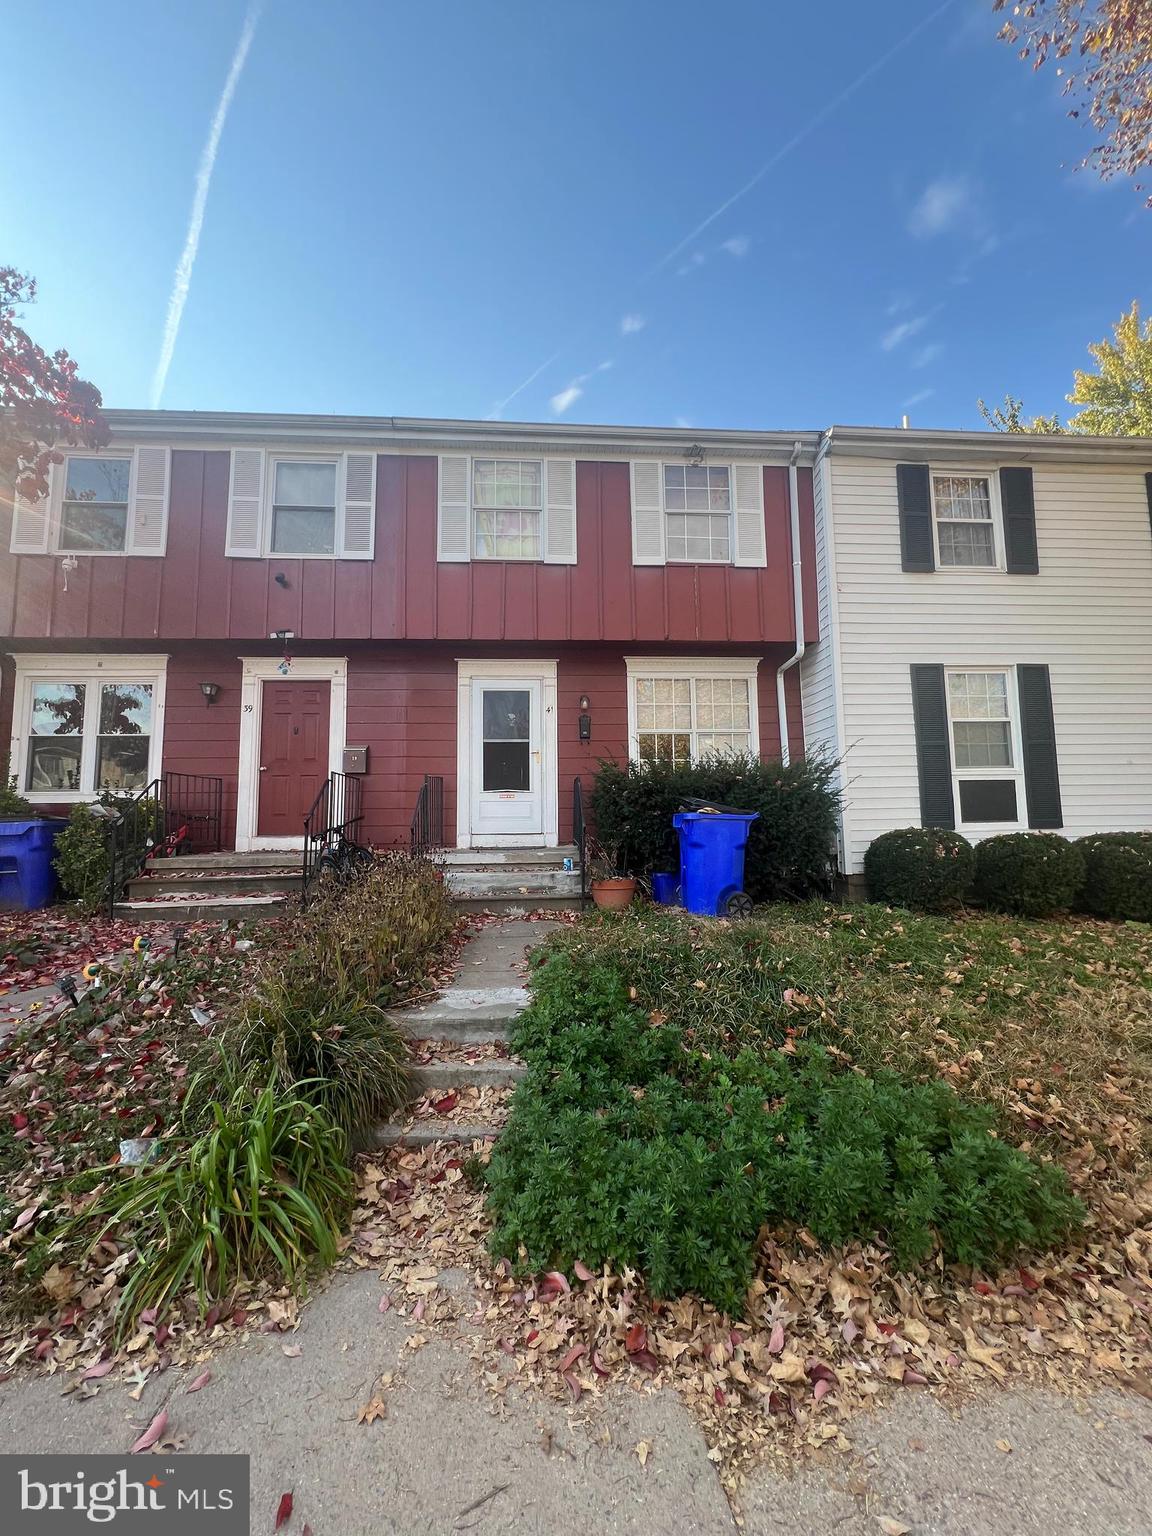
666, 889
712, 845
27, 878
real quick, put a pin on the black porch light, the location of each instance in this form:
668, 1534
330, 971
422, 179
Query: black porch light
210, 690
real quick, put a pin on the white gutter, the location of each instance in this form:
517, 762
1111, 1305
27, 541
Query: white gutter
797, 601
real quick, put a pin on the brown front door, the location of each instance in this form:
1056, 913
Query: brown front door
293, 754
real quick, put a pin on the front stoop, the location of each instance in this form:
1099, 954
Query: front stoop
511, 880
213, 886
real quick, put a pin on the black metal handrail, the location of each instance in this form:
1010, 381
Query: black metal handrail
130, 832
580, 836
427, 829
194, 811
330, 817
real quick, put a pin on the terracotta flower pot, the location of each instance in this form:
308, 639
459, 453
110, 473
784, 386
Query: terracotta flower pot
613, 895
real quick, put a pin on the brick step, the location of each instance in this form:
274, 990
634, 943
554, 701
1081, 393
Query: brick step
183, 908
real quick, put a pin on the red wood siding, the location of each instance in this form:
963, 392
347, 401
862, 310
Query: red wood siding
195, 593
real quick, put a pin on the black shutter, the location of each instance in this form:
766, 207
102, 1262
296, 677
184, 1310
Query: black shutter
1019, 510
915, 500
933, 750
1041, 772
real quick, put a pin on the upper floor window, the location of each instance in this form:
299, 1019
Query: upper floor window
507, 508
965, 520
94, 508
303, 507
698, 508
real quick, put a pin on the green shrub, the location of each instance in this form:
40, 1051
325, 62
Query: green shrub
265, 1190
627, 1146
1033, 874
790, 846
1117, 875
328, 1043
13, 806
925, 868
81, 851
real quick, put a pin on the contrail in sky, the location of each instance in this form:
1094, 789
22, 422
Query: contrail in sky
183, 278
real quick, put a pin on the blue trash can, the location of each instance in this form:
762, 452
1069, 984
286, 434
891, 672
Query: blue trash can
666, 889
712, 848
27, 878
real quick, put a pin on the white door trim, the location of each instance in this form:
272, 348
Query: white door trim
468, 670
256, 671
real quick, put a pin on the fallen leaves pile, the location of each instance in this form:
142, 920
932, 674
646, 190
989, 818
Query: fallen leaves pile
37, 947
827, 1333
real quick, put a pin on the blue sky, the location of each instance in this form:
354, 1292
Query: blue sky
469, 208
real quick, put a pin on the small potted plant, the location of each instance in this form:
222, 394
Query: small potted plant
611, 890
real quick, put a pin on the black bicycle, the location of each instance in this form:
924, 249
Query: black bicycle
343, 859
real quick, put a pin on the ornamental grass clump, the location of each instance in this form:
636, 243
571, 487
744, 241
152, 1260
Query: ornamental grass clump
928, 869
628, 1146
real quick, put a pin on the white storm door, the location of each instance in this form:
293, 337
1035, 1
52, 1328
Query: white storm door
507, 768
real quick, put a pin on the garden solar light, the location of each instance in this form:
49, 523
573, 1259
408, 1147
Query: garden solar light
67, 985
179, 933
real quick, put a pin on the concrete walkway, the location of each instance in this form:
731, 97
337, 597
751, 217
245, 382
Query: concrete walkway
444, 1445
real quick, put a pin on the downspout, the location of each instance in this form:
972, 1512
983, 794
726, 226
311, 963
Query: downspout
797, 604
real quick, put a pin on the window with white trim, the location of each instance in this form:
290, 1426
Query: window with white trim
303, 507
964, 514
698, 512
94, 508
507, 508
679, 715
78, 731
987, 764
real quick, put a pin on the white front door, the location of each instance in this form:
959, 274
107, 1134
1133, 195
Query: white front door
507, 761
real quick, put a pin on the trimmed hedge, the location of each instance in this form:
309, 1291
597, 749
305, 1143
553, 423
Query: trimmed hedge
1118, 875
1033, 874
789, 854
926, 868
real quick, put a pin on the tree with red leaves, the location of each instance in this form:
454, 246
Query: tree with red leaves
1103, 52
44, 404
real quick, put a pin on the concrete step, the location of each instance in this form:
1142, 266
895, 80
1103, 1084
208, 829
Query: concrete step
506, 858
236, 863
162, 882
465, 1015
182, 908
437, 1077
511, 882
511, 906
425, 1133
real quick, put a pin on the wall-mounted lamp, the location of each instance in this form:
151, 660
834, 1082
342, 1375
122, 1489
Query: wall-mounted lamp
280, 579
282, 636
585, 701
210, 690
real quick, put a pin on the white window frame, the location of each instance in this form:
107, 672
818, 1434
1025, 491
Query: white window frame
1015, 773
745, 668
92, 671
269, 519
682, 512
966, 472
59, 484
541, 511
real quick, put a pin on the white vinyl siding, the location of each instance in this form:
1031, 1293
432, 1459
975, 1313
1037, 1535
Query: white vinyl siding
1087, 616
819, 668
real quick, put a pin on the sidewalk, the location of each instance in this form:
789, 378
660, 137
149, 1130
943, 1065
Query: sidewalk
443, 1445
